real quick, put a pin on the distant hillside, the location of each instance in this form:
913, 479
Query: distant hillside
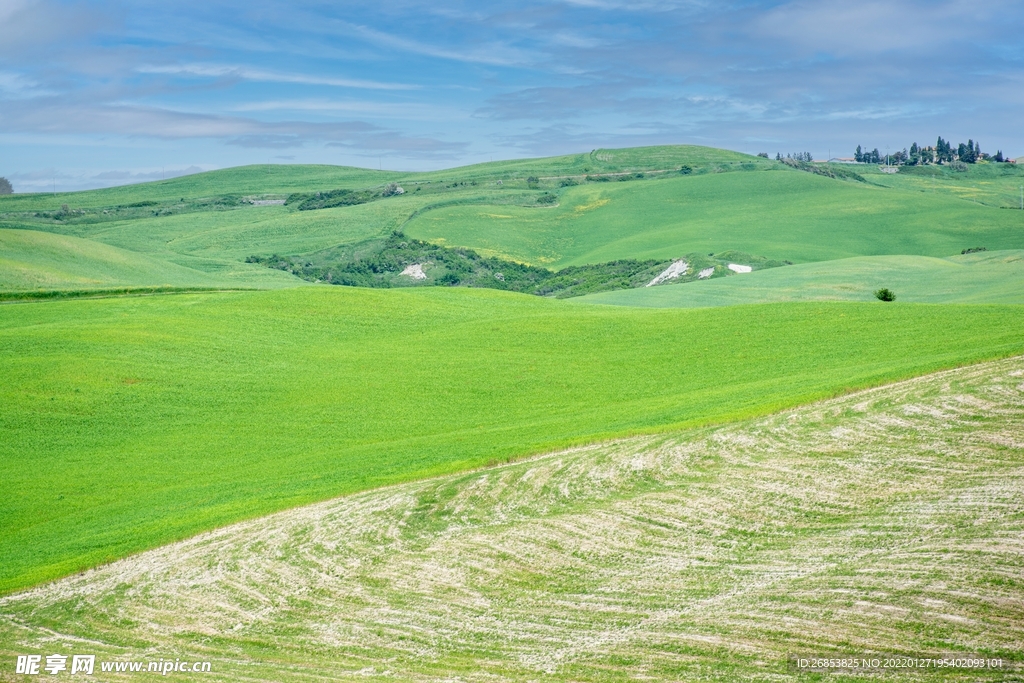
783, 214
987, 277
641, 204
283, 179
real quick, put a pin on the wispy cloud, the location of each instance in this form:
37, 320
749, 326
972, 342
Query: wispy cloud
61, 119
268, 76
409, 111
492, 53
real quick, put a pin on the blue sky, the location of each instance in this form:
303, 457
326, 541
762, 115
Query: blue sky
95, 94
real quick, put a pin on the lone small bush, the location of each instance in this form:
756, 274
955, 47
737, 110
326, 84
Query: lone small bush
885, 294
5, 186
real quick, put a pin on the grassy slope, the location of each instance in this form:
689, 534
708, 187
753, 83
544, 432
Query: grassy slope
285, 179
985, 183
788, 215
882, 523
234, 235
128, 422
987, 277
241, 180
599, 161
30, 259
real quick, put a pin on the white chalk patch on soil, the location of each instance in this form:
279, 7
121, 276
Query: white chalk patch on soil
267, 202
671, 273
737, 268
705, 274
415, 271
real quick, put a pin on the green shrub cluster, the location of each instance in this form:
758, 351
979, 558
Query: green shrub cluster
379, 263
306, 201
828, 170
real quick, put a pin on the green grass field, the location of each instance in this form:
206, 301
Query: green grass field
131, 422
883, 523
986, 277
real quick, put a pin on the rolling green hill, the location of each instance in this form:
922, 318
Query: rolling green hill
553, 212
986, 277
985, 183
30, 259
234, 235
787, 215
242, 180
131, 422
283, 179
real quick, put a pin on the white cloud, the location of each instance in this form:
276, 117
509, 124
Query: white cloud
409, 111
61, 118
494, 53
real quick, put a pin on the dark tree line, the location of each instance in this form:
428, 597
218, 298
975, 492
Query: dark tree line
871, 157
799, 156
943, 152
